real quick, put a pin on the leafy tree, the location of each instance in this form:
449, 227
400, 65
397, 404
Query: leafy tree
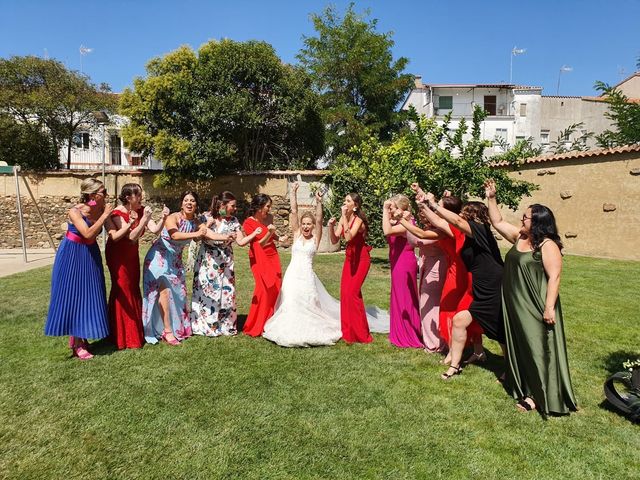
431, 154
44, 95
624, 113
26, 145
517, 153
353, 69
229, 106
565, 142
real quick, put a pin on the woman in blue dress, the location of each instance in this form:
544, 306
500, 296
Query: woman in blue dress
78, 305
164, 305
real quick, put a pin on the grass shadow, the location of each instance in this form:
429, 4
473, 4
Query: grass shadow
103, 348
613, 362
242, 319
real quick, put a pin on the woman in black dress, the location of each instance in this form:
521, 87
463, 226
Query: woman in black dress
481, 256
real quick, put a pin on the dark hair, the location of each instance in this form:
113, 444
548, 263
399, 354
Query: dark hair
194, 195
257, 202
475, 212
543, 226
453, 204
129, 189
219, 200
358, 212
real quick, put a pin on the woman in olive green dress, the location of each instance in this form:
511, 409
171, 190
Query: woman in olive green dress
538, 369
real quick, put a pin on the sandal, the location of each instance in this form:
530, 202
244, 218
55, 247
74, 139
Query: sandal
476, 358
525, 406
171, 341
447, 376
82, 353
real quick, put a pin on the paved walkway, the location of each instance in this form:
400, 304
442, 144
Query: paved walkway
12, 261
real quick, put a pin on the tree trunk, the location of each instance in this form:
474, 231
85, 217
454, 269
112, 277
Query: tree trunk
69, 140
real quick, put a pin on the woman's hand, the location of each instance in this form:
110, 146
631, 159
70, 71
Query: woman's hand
446, 193
490, 188
319, 196
331, 222
343, 210
146, 214
108, 207
415, 187
430, 197
271, 228
387, 205
295, 186
209, 222
549, 316
165, 212
202, 230
133, 216
258, 231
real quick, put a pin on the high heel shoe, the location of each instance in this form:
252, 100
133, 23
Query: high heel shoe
171, 341
82, 353
476, 358
447, 376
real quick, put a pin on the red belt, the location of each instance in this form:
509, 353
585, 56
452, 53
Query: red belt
79, 239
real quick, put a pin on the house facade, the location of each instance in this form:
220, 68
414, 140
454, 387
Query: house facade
514, 112
87, 149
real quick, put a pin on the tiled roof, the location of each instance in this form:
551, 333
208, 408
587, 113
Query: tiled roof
578, 154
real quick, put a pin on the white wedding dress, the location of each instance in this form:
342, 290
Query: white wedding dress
306, 314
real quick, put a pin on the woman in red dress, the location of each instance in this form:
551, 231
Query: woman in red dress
353, 227
127, 224
265, 264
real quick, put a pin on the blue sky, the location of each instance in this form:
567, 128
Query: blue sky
445, 41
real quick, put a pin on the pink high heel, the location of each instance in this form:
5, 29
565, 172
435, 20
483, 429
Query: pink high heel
82, 353
174, 341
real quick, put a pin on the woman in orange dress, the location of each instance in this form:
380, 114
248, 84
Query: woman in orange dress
265, 264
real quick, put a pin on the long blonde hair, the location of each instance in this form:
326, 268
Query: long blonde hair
88, 187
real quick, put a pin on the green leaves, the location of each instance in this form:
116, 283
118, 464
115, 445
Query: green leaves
360, 84
431, 154
624, 114
52, 102
230, 106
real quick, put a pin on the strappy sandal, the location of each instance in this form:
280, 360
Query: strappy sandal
476, 358
447, 376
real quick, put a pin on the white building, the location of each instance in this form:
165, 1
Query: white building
515, 112
87, 149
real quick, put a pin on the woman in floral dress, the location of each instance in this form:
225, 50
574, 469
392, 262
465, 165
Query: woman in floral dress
164, 305
213, 303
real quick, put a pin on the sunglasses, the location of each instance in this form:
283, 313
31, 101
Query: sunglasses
524, 217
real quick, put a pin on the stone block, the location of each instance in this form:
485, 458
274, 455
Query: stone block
608, 207
570, 235
566, 194
634, 171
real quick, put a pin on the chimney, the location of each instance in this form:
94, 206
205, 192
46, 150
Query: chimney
417, 80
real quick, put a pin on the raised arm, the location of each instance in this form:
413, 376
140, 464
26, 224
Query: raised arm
294, 220
242, 239
89, 232
508, 231
552, 263
387, 227
156, 227
319, 220
424, 234
450, 217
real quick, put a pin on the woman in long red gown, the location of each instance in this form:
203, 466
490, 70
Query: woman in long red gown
353, 227
265, 264
127, 224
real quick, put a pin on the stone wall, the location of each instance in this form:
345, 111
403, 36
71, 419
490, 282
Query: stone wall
56, 192
595, 200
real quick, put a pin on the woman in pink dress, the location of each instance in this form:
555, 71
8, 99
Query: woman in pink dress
432, 265
405, 329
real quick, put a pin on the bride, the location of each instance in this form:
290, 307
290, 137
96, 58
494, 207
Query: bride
306, 314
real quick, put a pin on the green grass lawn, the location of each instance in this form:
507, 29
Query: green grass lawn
245, 408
